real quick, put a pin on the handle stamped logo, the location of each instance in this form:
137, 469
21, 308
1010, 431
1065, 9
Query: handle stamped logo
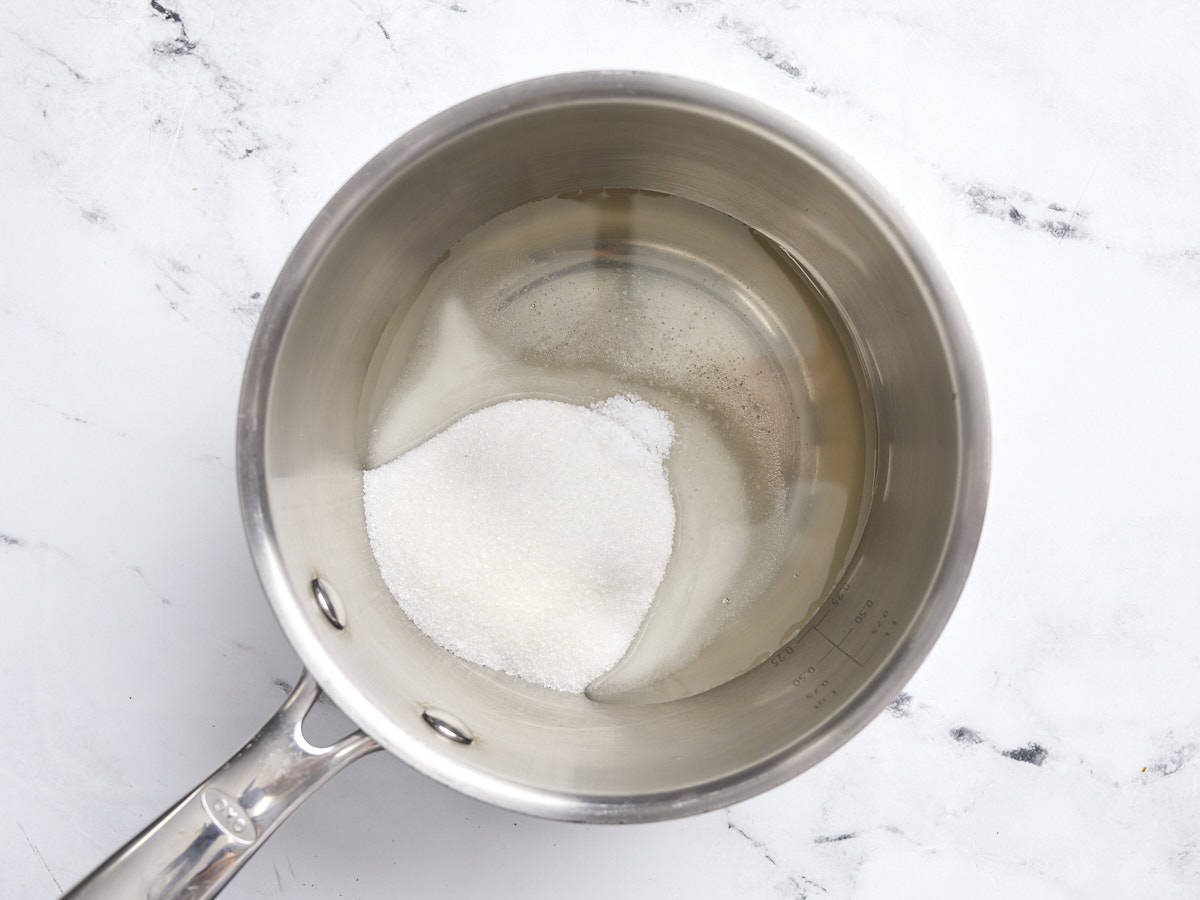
228, 815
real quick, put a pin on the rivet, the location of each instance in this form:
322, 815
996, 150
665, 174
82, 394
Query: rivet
447, 726
328, 603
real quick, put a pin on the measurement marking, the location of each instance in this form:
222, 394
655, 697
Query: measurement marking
837, 647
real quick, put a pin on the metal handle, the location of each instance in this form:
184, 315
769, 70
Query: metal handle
194, 848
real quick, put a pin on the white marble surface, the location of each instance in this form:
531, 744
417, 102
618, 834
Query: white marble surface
156, 169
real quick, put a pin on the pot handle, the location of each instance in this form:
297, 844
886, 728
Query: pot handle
194, 848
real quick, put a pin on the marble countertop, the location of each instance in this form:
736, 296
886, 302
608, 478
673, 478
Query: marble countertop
157, 162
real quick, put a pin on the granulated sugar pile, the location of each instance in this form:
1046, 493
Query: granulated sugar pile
530, 536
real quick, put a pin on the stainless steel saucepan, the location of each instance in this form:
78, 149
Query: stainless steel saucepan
362, 262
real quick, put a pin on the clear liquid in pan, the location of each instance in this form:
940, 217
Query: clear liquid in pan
586, 295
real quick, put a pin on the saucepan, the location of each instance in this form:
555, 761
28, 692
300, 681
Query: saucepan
696, 742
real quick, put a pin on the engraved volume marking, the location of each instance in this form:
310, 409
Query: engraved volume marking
228, 815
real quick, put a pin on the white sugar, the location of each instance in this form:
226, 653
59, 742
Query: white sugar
648, 424
530, 536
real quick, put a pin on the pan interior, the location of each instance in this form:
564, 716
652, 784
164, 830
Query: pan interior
593, 293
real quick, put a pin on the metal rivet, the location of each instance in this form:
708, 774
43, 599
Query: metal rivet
327, 601
447, 726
